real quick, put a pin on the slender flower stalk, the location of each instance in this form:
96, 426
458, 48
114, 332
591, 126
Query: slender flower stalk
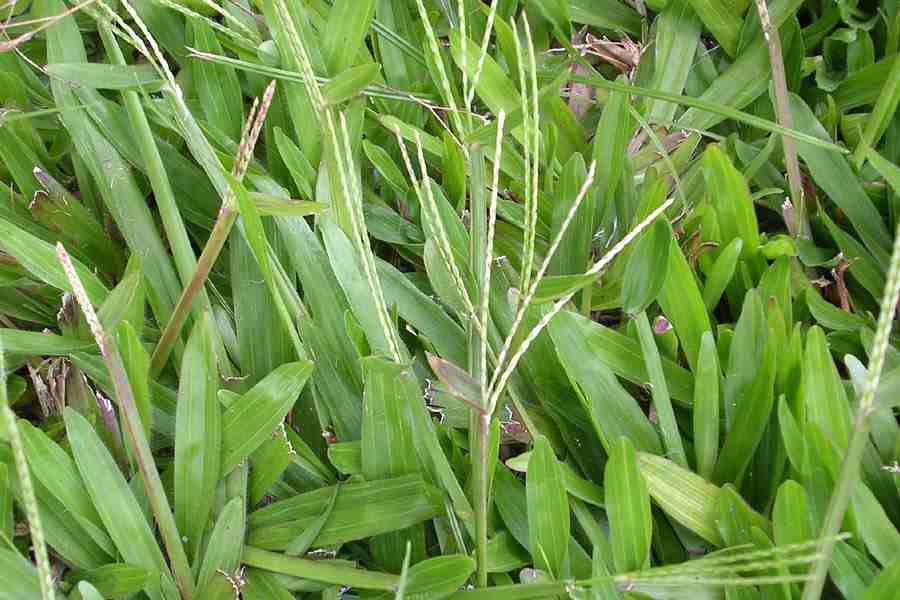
482, 53
347, 172
228, 214
427, 201
799, 225
502, 374
525, 302
481, 420
849, 474
134, 429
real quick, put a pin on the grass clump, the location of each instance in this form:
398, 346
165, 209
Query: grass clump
435, 298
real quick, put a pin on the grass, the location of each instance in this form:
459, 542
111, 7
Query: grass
449, 299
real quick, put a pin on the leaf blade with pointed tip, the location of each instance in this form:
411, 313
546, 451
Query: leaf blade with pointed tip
548, 510
628, 507
247, 424
198, 434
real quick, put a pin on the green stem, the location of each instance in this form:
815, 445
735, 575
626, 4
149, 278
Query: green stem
318, 570
215, 243
181, 569
849, 475
185, 261
800, 222
480, 423
134, 428
837, 506
481, 492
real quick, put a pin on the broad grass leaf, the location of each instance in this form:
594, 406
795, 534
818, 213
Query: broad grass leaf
136, 361
218, 88
575, 484
647, 268
115, 580
269, 463
677, 35
224, 546
628, 508
106, 76
453, 164
58, 474
20, 577
511, 500
618, 352
659, 391
682, 304
886, 583
730, 195
345, 32
437, 577
349, 83
553, 287
302, 173
32, 343
114, 501
198, 434
614, 131
833, 174
302, 543
751, 416
39, 258
604, 395
721, 273
556, 12
851, 571
746, 347
683, 495
790, 515
387, 451
88, 592
829, 316
505, 554
125, 303
339, 378
745, 80
549, 522
573, 254
824, 396
423, 313
362, 509
247, 424
706, 407
606, 14
265, 585
722, 20
877, 531
348, 269
386, 166
117, 185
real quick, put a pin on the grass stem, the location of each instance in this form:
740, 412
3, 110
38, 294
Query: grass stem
134, 429
849, 474
800, 221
